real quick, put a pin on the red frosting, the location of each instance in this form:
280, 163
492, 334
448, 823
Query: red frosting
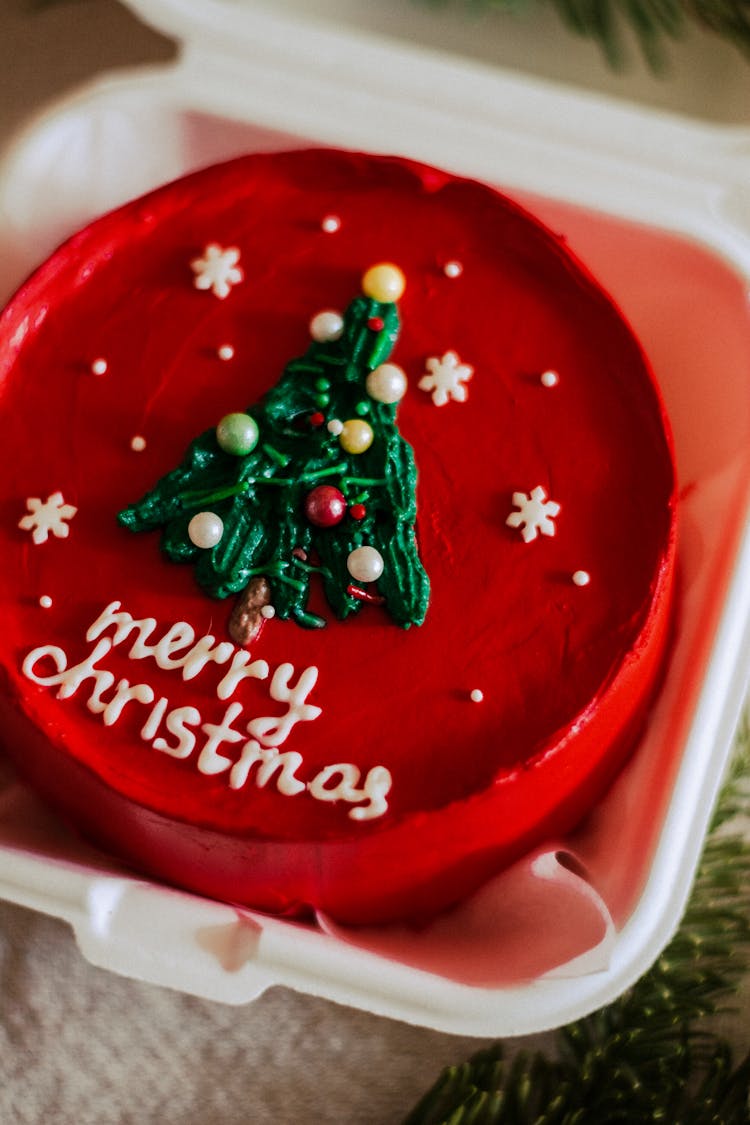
566, 671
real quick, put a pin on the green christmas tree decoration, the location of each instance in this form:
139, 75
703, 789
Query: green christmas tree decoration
314, 480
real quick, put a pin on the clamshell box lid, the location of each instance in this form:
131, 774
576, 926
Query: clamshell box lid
249, 70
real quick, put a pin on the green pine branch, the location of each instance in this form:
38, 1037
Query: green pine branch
650, 1056
654, 23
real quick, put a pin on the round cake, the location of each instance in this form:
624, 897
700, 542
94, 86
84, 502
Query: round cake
338, 534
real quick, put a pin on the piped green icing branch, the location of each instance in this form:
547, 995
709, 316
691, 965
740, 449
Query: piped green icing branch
282, 483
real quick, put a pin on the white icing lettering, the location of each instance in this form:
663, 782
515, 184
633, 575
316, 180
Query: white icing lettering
151, 726
201, 653
376, 787
252, 752
124, 625
346, 788
177, 649
269, 762
241, 669
271, 730
210, 760
378, 783
178, 722
55, 654
288, 763
178, 636
95, 703
111, 711
70, 679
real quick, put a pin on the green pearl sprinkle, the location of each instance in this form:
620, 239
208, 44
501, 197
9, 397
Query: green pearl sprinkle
362, 408
322, 399
237, 434
322, 384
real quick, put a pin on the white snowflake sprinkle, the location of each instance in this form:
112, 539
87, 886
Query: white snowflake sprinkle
47, 517
217, 270
535, 514
446, 378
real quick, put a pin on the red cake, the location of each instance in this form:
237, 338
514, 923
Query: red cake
246, 645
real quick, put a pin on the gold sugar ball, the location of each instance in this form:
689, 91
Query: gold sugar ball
383, 282
356, 436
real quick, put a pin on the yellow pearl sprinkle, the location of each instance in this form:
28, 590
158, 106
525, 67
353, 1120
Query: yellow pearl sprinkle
383, 282
356, 436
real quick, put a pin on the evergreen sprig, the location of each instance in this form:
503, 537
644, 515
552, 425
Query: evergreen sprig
651, 1055
654, 23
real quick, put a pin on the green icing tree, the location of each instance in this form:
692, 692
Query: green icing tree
315, 479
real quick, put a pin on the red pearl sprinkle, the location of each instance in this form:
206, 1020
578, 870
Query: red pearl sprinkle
317, 419
376, 324
358, 511
325, 506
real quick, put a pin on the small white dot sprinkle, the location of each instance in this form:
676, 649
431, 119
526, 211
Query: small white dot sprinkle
99, 367
335, 427
477, 695
268, 611
138, 443
453, 269
549, 378
581, 578
330, 224
45, 601
226, 351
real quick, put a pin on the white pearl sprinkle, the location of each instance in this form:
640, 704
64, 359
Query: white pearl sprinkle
335, 427
326, 325
386, 383
268, 611
453, 269
549, 378
477, 695
365, 564
138, 443
330, 224
205, 529
581, 578
226, 351
45, 601
99, 367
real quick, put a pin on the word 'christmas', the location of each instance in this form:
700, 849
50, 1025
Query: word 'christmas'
181, 727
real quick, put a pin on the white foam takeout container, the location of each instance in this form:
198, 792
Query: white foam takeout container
608, 175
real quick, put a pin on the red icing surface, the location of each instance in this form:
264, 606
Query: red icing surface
566, 671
